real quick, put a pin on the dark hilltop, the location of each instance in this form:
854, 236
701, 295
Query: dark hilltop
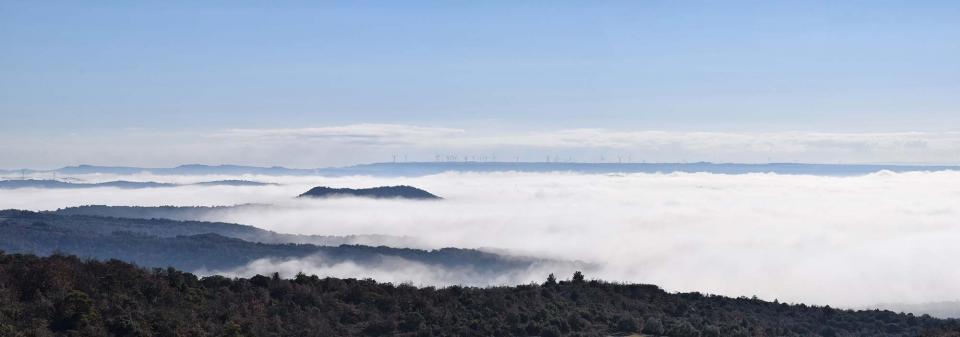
401, 192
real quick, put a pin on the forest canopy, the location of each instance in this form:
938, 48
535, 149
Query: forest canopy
65, 295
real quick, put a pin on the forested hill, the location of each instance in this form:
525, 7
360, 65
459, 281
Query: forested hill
402, 192
67, 296
171, 221
43, 183
35, 183
190, 216
216, 246
188, 213
77, 219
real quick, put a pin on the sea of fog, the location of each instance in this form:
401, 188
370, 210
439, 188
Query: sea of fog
845, 241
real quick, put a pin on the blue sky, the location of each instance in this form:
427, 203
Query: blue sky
101, 69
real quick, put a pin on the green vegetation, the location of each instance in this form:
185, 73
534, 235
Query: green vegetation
67, 296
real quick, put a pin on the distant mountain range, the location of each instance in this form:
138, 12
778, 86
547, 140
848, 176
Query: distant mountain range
190, 169
382, 192
46, 183
426, 168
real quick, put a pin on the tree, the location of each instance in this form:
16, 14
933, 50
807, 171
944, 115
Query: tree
711, 331
653, 326
232, 329
118, 299
577, 277
550, 331
76, 311
551, 280
628, 324
683, 328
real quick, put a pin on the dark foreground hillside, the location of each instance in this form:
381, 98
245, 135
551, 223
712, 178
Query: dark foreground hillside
66, 296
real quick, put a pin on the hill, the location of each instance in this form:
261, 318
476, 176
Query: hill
188, 169
36, 183
41, 183
402, 192
64, 295
192, 245
152, 221
243, 232
231, 182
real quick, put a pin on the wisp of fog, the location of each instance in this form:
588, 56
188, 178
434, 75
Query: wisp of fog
844, 241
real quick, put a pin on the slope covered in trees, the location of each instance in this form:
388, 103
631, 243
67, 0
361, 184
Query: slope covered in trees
62, 295
182, 213
401, 191
191, 245
170, 221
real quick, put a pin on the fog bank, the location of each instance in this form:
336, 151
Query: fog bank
844, 241
399, 270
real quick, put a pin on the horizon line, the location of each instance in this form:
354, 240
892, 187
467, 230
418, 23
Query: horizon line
454, 162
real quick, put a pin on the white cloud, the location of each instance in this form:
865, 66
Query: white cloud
767, 142
843, 241
396, 270
360, 134
904, 146
361, 143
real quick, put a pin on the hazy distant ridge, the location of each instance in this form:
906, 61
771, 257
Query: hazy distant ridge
191, 220
45, 183
426, 168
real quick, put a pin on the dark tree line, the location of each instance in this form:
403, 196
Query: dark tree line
66, 296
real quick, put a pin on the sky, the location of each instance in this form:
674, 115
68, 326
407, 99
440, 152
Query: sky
166, 83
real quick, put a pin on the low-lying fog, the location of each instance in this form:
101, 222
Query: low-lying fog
843, 241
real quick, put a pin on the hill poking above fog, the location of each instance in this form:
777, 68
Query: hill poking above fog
401, 192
